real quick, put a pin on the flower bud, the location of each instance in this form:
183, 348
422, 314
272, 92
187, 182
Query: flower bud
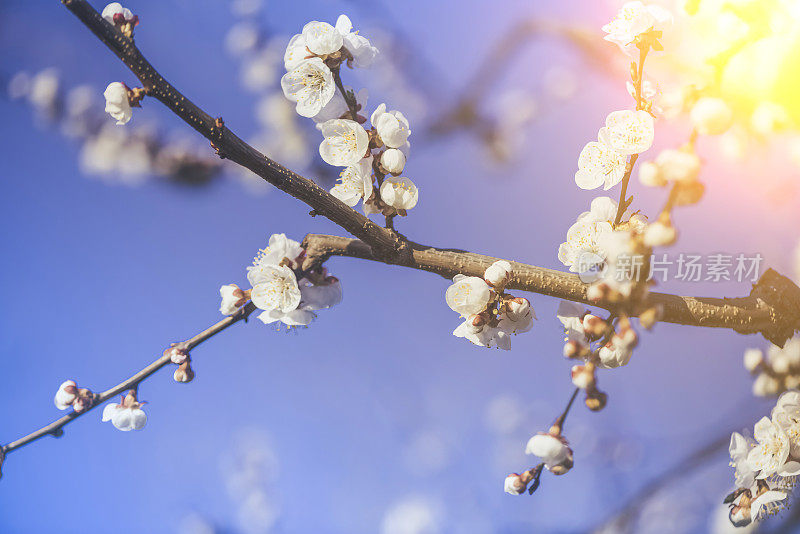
498, 274
574, 349
688, 193
84, 400
232, 299
176, 355
594, 325
660, 234
514, 484
184, 373
66, 395
765, 385
650, 175
596, 400
393, 161
582, 376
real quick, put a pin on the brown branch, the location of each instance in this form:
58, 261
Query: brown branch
772, 308
55, 428
227, 144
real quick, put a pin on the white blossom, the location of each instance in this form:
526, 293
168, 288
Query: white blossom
752, 359
517, 317
392, 126
321, 38
628, 132
769, 456
359, 46
599, 164
711, 116
498, 274
571, 316
117, 103
468, 295
632, 20
274, 289
582, 251
393, 161
660, 234
355, 183
115, 8
280, 249
786, 415
513, 485
126, 415
232, 298
66, 395
399, 192
475, 330
296, 52
677, 165
345, 142
744, 474
554, 452
310, 84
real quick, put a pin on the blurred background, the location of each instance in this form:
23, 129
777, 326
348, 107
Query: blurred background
375, 418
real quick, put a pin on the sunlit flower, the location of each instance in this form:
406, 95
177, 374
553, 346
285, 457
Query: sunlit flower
399, 192
345, 142
628, 132
786, 415
359, 46
355, 183
739, 448
513, 485
321, 38
117, 103
392, 126
711, 116
274, 288
127, 415
116, 14
599, 164
312, 297
280, 250
772, 450
632, 20
309, 84
468, 295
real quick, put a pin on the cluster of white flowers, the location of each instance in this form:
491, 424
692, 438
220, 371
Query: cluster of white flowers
281, 288
490, 314
313, 59
766, 467
776, 371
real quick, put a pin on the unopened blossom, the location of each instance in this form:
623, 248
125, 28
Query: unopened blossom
468, 295
582, 376
554, 452
513, 485
769, 456
744, 474
632, 20
321, 38
354, 183
274, 289
613, 355
127, 414
115, 14
650, 175
232, 299
766, 385
184, 373
345, 143
600, 165
399, 192
393, 161
628, 132
678, 165
517, 316
310, 84
66, 395
117, 102
498, 274
752, 359
359, 46
177, 355
392, 126
280, 250
711, 116
660, 234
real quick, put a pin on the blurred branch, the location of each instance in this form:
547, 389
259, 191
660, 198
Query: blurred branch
55, 428
772, 308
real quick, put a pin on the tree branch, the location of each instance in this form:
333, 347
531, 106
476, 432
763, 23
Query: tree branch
55, 428
227, 144
772, 308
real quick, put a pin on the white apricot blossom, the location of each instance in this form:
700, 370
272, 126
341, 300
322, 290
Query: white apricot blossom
66, 394
345, 142
744, 474
769, 456
392, 126
678, 165
628, 132
468, 295
711, 116
280, 250
599, 164
632, 20
517, 316
296, 52
117, 102
393, 161
399, 192
114, 12
127, 414
359, 46
554, 452
354, 183
275, 289
310, 85
498, 274
786, 415
321, 38
312, 297
476, 330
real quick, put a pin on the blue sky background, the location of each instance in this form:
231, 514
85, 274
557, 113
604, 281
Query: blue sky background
376, 403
